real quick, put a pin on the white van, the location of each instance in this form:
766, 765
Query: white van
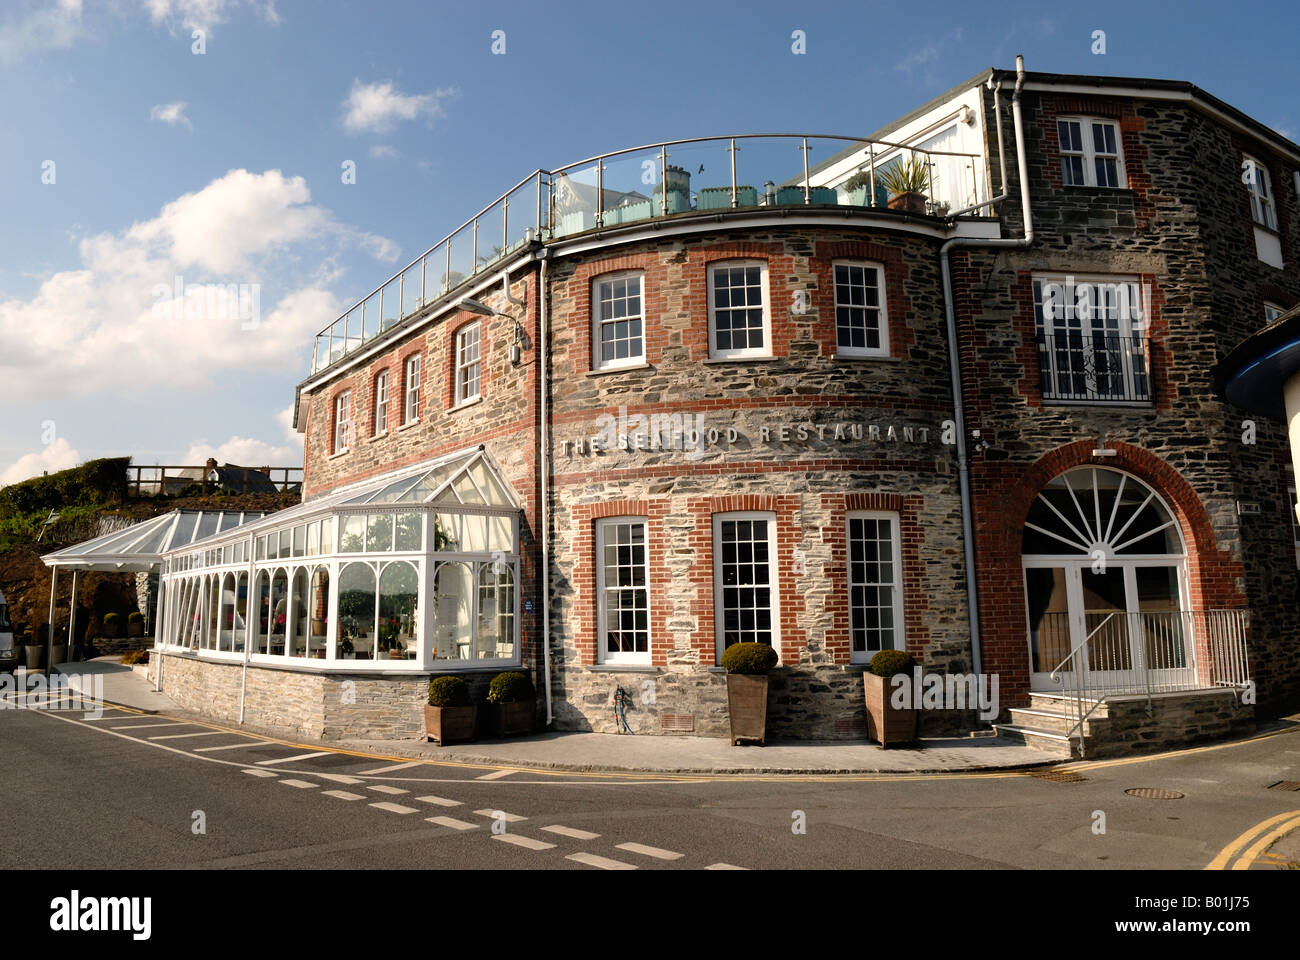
8, 654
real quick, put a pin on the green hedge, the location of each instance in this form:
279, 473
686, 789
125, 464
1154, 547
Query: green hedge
510, 687
751, 658
448, 691
95, 481
888, 663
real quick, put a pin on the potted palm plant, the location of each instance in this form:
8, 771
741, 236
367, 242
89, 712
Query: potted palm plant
907, 181
885, 722
449, 715
747, 666
515, 700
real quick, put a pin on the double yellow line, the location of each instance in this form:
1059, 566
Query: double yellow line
1263, 834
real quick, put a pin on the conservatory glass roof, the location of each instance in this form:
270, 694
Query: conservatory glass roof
470, 479
141, 545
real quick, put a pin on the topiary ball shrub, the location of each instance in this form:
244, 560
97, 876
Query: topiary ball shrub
889, 663
133, 617
749, 658
510, 687
448, 692
110, 619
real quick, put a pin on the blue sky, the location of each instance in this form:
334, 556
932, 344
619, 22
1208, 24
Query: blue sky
224, 167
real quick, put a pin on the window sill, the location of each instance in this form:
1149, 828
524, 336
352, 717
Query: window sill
341, 453
622, 668
1096, 188
627, 369
474, 401
409, 425
755, 359
1102, 404
858, 357
377, 436
1272, 231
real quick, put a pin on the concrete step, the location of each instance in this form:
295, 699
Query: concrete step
1058, 703
1048, 741
1057, 721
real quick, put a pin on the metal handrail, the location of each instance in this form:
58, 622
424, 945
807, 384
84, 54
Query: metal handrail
341, 342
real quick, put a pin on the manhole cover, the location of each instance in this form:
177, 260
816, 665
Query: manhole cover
1154, 793
1285, 785
1058, 776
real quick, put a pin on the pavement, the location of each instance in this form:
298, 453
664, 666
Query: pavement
110, 680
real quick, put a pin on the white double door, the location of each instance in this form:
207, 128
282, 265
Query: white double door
1124, 617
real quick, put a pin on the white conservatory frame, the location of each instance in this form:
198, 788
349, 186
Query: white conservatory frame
462, 496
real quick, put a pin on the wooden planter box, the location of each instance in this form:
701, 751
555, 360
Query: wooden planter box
885, 723
515, 717
135, 628
34, 654
908, 203
747, 707
449, 724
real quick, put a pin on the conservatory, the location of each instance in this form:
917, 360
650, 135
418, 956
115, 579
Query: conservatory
400, 574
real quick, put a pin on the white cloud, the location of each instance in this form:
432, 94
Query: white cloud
171, 114
114, 319
925, 58
383, 150
58, 455
378, 107
53, 27
204, 14
248, 452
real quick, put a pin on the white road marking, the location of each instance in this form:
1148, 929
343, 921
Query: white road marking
656, 852
389, 768
261, 773
571, 832
146, 726
384, 788
182, 736
496, 775
304, 784
604, 863
507, 817
439, 801
519, 841
341, 795
394, 807
337, 777
724, 866
452, 822
301, 756
229, 746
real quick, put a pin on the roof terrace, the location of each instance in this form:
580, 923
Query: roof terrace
714, 176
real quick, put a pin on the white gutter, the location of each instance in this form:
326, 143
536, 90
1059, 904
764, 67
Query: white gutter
954, 360
543, 366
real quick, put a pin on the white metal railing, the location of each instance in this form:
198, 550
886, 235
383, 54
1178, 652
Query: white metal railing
624, 187
1141, 654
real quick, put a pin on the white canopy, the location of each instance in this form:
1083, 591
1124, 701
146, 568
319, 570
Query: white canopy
140, 546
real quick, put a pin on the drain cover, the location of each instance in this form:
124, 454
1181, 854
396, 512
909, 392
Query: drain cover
1058, 776
1154, 793
1285, 785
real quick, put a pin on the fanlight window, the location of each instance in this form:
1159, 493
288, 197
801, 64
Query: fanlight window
1093, 509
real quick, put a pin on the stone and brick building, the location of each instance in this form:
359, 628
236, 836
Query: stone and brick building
655, 417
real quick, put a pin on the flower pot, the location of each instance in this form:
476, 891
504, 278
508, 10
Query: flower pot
747, 707
135, 628
59, 654
719, 198
515, 717
908, 203
886, 723
34, 652
449, 724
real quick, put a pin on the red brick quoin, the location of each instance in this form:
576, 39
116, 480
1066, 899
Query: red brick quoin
1003, 494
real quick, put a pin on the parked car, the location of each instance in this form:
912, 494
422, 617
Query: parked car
8, 652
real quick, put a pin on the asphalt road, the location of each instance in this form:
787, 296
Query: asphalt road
135, 791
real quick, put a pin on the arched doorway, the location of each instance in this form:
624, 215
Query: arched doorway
1105, 574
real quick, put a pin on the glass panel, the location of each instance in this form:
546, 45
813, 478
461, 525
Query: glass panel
573, 199
207, 525
629, 182
390, 305
379, 533
491, 243
226, 622
501, 535
327, 535
357, 612
462, 256
298, 615
464, 488
212, 613
262, 598
410, 531
313, 539
496, 611
241, 612
1164, 643
279, 604
452, 597
285, 543
411, 289
319, 613
353, 536
261, 548
398, 616
487, 482
1105, 620
1049, 617
435, 264
299, 540
464, 533
522, 210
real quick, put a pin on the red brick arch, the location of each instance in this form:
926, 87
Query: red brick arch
1001, 508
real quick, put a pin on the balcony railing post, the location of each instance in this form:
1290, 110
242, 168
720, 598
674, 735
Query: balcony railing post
871, 152
539, 205
807, 188
600, 192
663, 181
734, 202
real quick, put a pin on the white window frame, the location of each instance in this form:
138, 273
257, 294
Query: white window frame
599, 321
381, 403
900, 633
1272, 311
411, 390
602, 621
1263, 202
773, 575
731, 354
881, 309
463, 366
1090, 154
343, 422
